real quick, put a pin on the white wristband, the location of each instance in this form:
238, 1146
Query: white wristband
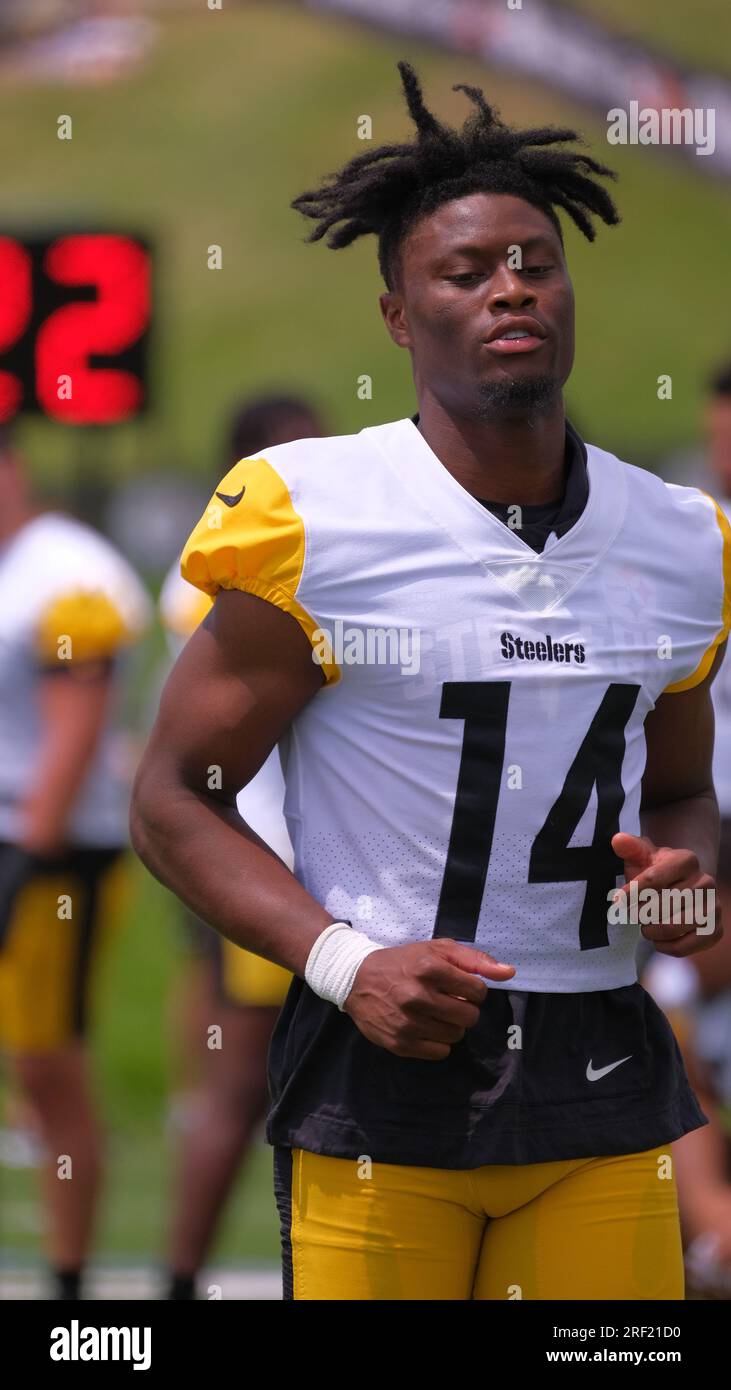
333, 962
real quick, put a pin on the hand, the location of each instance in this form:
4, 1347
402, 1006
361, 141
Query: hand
419, 1000
650, 867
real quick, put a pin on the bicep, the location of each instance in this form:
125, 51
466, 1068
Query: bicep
236, 687
679, 733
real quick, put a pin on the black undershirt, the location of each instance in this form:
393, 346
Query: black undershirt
538, 522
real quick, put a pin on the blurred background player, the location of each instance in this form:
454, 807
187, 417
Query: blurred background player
715, 974
223, 985
69, 605
704, 1163
696, 993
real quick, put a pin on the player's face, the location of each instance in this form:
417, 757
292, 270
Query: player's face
479, 268
298, 425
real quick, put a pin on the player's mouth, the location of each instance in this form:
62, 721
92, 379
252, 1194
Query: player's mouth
514, 335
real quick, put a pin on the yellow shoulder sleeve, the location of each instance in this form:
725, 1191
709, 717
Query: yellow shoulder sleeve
81, 625
706, 662
251, 538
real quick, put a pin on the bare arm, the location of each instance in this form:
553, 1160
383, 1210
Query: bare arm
679, 817
73, 707
679, 804
238, 684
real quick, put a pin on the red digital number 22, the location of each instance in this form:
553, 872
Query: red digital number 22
67, 387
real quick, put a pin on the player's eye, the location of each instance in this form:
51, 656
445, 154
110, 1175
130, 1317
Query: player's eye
464, 277
538, 269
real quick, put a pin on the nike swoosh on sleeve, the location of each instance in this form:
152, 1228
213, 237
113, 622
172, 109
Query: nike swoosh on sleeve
231, 501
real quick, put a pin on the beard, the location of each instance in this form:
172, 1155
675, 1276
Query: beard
524, 397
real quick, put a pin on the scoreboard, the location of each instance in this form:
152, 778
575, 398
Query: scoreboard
75, 315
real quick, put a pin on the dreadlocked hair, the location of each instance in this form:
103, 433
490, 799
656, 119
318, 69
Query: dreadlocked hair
391, 187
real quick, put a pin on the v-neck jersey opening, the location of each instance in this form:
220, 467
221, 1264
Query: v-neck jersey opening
460, 494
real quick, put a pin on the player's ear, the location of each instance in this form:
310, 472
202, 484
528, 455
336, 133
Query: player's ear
394, 314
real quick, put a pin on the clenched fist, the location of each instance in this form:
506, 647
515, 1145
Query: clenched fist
419, 1000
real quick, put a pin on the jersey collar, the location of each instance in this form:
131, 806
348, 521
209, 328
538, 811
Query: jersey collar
498, 549
576, 484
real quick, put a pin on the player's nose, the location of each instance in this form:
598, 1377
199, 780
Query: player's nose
508, 290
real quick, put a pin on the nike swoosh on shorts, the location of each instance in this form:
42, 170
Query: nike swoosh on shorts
592, 1075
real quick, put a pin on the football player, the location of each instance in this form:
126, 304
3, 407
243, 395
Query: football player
242, 993
486, 647
69, 606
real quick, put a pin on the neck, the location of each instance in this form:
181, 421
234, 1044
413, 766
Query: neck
517, 460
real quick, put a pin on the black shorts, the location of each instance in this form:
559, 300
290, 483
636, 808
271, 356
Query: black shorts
16, 865
540, 1077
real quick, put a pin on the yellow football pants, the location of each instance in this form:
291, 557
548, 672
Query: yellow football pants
596, 1228
251, 981
49, 964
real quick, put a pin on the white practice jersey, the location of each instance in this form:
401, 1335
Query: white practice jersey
66, 596
261, 802
722, 708
479, 737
